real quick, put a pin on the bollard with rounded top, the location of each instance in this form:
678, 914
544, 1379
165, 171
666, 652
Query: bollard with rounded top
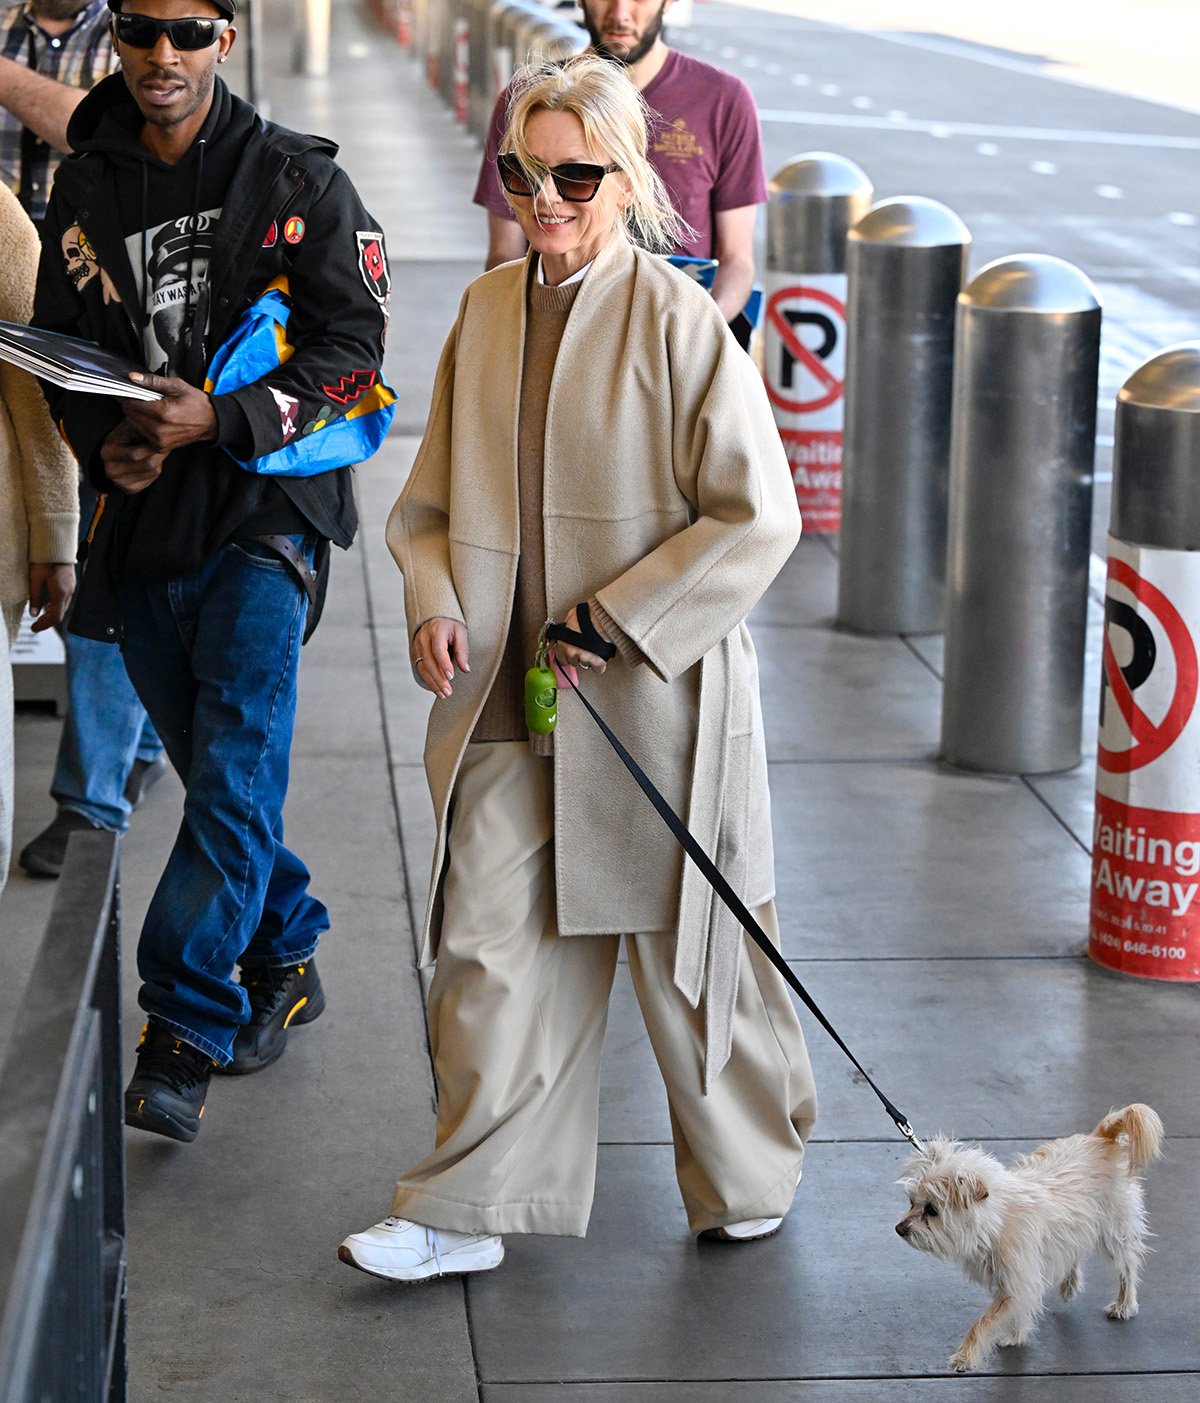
1023, 438
905, 261
498, 63
518, 23
557, 41
532, 35
1145, 913
813, 202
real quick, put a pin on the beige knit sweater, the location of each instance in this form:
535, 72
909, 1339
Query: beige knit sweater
503, 716
39, 495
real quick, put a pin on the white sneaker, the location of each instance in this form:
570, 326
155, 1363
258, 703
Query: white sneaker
752, 1230
398, 1250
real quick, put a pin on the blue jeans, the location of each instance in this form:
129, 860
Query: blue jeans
214, 656
106, 728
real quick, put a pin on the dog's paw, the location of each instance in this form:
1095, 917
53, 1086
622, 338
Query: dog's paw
963, 1360
1016, 1337
1071, 1284
1121, 1310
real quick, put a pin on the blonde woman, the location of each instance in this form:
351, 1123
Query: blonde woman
39, 511
596, 437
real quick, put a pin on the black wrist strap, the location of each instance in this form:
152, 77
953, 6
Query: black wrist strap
589, 636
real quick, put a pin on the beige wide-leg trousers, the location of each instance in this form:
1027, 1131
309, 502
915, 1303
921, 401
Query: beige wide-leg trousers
517, 1016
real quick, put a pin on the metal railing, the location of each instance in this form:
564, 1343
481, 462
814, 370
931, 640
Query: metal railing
62, 1171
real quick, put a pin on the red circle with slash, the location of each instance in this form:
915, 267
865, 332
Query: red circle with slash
801, 354
1149, 739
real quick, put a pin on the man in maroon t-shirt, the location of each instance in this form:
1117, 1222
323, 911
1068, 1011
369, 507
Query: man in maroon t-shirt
704, 143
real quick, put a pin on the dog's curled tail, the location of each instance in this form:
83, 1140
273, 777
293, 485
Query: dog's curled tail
1142, 1129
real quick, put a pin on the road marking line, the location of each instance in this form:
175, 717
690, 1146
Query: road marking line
921, 124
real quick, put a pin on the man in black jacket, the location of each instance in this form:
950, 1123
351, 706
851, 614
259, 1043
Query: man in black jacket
182, 217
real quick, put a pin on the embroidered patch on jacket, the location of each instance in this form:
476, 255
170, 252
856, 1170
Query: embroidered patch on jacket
293, 230
372, 264
80, 258
287, 411
272, 236
350, 387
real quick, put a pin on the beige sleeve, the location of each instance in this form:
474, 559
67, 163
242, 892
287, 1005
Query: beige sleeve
688, 593
418, 526
49, 475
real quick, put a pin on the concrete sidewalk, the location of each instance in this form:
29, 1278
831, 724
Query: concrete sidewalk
938, 918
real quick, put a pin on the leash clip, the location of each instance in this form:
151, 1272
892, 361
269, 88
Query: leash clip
910, 1135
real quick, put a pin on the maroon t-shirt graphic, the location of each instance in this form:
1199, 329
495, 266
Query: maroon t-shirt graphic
704, 143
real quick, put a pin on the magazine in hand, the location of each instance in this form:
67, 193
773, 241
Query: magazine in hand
70, 363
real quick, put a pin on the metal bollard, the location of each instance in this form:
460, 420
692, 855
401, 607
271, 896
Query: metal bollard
814, 200
420, 28
312, 39
1145, 917
529, 24
462, 70
404, 25
431, 32
905, 261
1023, 439
558, 41
455, 12
481, 99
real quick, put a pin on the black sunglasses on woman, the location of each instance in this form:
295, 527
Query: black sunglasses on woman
577, 181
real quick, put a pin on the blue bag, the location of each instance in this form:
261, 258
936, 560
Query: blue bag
337, 437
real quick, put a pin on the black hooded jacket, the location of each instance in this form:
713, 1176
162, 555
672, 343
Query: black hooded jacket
287, 212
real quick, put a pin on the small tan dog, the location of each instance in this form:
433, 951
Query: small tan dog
1022, 1230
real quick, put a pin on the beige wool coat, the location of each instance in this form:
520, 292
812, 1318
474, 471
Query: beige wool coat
669, 499
39, 498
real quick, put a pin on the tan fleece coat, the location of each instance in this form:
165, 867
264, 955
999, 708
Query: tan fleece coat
669, 499
39, 498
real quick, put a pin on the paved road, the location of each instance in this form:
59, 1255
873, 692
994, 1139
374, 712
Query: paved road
1031, 162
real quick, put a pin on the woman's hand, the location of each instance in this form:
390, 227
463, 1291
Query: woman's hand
570, 656
437, 645
50, 591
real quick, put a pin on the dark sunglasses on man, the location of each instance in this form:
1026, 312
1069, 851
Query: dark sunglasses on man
576, 181
186, 35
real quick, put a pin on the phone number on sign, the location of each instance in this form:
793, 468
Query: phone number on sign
1140, 947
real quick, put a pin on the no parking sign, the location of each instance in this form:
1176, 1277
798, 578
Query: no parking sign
1146, 838
804, 360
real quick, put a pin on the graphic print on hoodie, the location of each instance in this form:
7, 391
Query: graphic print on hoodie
177, 257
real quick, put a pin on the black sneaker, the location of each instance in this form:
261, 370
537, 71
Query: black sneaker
43, 856
166, 1092
280, 998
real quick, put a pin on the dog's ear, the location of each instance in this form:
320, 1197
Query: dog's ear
967, 1189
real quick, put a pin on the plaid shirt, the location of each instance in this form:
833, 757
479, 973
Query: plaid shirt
79, 58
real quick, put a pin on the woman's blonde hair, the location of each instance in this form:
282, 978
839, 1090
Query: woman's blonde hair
614, 120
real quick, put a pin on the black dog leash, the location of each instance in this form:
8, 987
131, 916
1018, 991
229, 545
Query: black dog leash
596, 643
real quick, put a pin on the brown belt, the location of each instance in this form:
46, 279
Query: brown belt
286, 547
